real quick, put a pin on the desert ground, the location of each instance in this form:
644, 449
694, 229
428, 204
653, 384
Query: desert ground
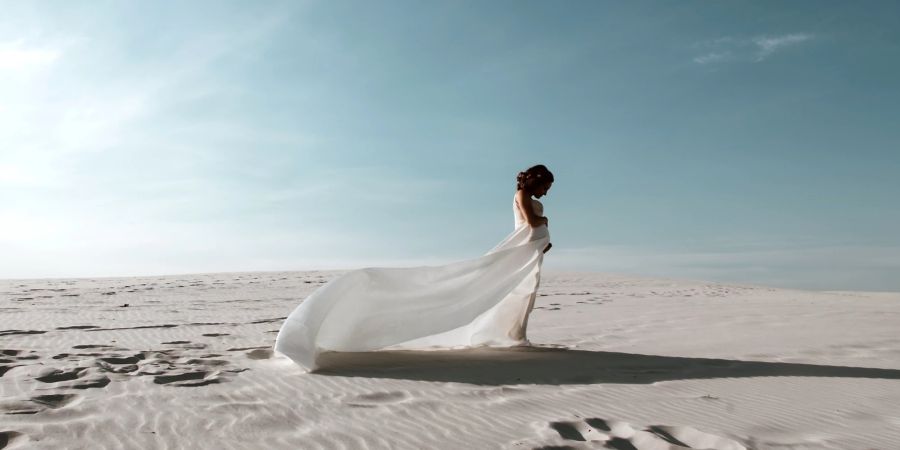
622, 362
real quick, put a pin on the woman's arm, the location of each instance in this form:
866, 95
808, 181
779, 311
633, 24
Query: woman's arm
527, 209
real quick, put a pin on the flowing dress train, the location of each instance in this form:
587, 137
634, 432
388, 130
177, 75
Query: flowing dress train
483, 301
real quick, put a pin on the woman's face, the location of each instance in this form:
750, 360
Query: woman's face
542, 190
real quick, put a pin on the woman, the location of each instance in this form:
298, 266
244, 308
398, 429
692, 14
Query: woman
477, 302
535, 181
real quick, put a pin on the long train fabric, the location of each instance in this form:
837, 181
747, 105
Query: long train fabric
483, 301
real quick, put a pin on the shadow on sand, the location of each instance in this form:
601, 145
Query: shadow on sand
543, 365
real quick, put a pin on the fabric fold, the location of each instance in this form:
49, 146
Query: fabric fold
483, 301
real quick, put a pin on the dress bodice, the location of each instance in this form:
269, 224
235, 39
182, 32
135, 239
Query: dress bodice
517, 213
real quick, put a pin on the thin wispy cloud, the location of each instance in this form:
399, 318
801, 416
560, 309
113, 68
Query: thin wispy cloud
754, 49
768, 45
713, 57
98, 155
17, 56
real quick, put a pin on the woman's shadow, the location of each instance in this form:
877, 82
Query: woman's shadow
545, 365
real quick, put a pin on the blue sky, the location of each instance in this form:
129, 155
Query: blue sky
751, 142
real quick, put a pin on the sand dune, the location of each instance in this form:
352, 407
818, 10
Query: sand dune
618, 362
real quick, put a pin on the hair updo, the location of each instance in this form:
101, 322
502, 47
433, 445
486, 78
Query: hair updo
533, 177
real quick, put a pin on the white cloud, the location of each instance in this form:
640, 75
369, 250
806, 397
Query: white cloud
755, 49
17, 175
769, 44
99, 178
14, 56
712, 57
95, 173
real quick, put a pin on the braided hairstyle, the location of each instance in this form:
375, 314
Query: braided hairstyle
533, 177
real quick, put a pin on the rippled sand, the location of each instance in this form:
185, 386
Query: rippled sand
186, 362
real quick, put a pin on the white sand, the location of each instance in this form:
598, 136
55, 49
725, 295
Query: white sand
627, 363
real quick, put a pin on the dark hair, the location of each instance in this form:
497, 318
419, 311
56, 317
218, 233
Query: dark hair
533, 177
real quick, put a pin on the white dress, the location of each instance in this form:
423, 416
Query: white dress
483, 301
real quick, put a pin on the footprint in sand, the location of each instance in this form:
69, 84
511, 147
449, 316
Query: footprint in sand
54, 401
188, 365
614, 434
9, 437
206, 362
12, 332
37, 404
6, 368
274, 319
168, 325
181, 367
188, 379
260, 353
121, 364
134, 359
187, 344
84, 378
376, 399
76, 356
9, 355
56, 375
255, 352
